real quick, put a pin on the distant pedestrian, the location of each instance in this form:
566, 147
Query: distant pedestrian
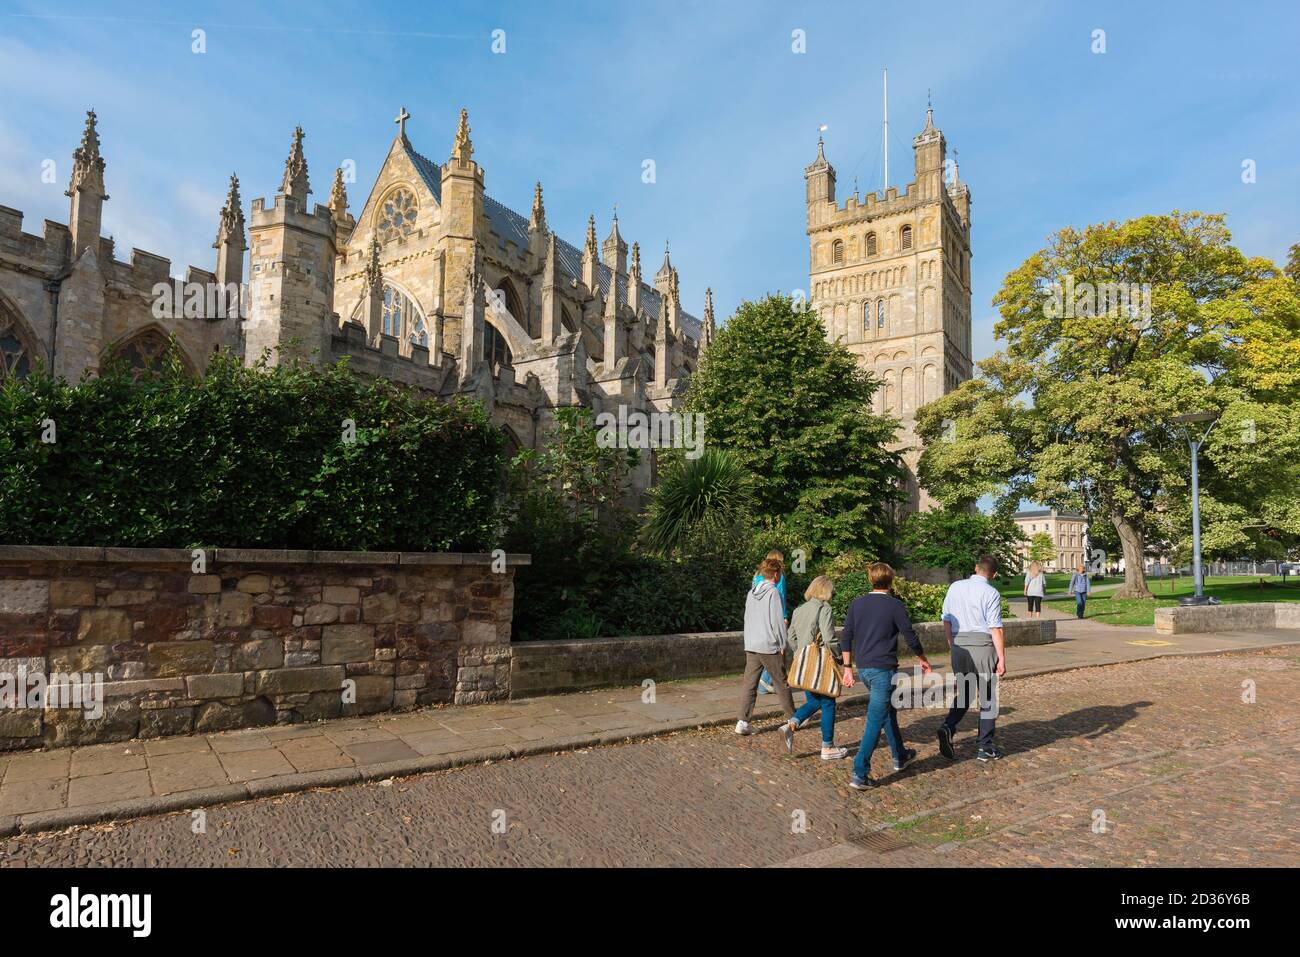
814, 622
1035, 589
972, 623
765, 635
765, 682
870, 638
1080, 588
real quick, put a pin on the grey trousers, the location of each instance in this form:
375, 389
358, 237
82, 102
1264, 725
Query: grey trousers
975, 659
754, 665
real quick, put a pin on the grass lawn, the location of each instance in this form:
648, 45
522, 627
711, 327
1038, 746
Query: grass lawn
1142, 611
1013, 587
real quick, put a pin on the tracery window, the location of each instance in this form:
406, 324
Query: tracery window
402, 318
397, 214
495, 350
144, 353
15, 355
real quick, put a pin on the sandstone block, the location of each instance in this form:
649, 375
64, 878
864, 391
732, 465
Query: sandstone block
71, 593
21, 596
340, 643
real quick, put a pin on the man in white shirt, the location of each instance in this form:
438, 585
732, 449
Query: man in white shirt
972, 623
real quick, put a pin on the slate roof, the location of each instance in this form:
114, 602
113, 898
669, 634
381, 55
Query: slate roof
509, 226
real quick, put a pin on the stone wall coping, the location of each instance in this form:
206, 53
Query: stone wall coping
245, 556
1010, 624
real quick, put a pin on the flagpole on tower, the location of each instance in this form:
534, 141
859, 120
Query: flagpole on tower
885, 146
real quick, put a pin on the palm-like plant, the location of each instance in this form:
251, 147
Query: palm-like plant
697, 499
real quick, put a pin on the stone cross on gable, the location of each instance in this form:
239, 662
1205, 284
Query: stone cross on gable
400, 120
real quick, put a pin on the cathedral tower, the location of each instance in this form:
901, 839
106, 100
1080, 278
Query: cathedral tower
890, 277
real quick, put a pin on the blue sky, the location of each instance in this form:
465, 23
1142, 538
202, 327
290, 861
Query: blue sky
1049, 133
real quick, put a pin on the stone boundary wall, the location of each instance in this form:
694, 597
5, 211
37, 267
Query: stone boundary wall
556, 667
260, 637
1186, 619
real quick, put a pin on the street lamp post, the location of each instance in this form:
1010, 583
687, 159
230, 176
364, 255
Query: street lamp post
1194, 445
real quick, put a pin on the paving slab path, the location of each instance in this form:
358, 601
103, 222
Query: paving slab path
59, 788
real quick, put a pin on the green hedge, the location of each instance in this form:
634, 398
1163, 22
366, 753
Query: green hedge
252, 458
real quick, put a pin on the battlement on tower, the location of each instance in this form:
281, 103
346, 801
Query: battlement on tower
287, 210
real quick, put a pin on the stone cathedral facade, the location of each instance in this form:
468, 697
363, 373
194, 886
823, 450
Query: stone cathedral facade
890, 278
430, 282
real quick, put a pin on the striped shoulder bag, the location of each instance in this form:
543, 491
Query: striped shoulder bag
814, 670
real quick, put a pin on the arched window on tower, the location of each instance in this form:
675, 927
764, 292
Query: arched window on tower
905, 238
866, 318
880, 314
837, 252
871, 244
495, 350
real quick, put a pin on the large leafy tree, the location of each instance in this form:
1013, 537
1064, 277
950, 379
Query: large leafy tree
954, 539
1077, 410
794, 409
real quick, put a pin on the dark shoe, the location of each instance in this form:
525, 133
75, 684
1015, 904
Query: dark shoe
909, 755
991, 753
945, 743
861, 784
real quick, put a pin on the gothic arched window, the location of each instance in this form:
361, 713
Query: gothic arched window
16, 354
144, 353
397, 214
495, 350
507, 299
871, 244
905, 237
402, 317
837, 251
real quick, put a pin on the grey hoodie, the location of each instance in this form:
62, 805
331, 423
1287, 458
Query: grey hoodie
764, 620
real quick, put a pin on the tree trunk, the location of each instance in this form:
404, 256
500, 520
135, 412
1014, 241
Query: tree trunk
1133, 545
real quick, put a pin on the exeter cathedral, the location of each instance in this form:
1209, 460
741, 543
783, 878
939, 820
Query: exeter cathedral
890, 277
435, 284
432, 283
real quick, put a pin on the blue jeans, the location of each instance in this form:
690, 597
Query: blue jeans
812, 704
1080, 600
880, 714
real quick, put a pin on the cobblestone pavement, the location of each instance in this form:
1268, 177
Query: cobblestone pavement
1183, 769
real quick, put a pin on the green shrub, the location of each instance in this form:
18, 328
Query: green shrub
247, 457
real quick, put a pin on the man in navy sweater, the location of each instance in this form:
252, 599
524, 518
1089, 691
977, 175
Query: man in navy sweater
870, 638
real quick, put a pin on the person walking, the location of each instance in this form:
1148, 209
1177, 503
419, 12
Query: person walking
1080, 588
1035, 589
765, 635
765, 681
870, 642
812, 622
972, 623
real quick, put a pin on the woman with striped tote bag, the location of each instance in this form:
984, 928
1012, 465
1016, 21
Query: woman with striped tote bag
812, 637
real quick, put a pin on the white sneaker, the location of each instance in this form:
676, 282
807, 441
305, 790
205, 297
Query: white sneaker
787, 736
742, 727
834, 754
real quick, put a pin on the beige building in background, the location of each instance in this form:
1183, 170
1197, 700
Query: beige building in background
1069, 532
890, 277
